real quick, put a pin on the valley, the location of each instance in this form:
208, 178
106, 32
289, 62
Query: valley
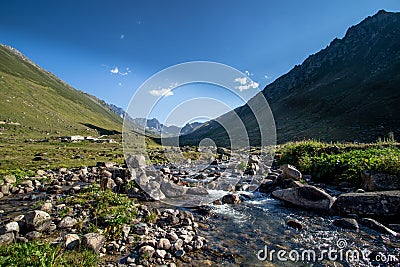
73, 194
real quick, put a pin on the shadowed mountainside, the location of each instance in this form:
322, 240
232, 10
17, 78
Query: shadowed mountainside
349, 91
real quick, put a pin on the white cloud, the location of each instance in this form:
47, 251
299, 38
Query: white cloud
120, 84
242, 81
114, 70
245, 84
164, 91
122, 36
126, 72
161, 92
267, 77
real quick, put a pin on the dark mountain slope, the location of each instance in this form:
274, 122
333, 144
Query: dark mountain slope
349, 91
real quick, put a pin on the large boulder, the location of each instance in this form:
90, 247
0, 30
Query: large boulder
307, 197
371, 223
290, 171
384, 203
37, 220
153, 190
199, 190
172, 190
136, 161
376, 181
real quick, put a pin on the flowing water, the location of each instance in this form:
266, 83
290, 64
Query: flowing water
258, 225
245, 235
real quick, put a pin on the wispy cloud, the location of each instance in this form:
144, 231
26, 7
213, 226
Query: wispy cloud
115, 70
164, 91
245, 84
161, 92
122, 36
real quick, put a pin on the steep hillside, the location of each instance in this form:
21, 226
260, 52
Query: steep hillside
349, 91
37, 103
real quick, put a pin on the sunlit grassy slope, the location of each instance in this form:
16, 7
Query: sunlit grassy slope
42, 105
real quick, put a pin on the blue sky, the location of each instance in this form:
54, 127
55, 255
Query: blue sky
109, 48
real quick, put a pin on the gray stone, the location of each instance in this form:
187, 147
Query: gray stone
307, 197
375, 181
27, 183
10, 179
67, 222
141, 229
142, 179
5, 189
160, 253
383, 203
93, 241
172, 236
346, 223
108, 183
130, 260
119, 181
136, 161
156, 194
71, 241
231, 199
199, 190
33, 235
164, 243
146, 251
9, 228
373, 224
172, 190
7, 238
267, 186
37, 220
47, 206
40, 172
178, 244
290, 171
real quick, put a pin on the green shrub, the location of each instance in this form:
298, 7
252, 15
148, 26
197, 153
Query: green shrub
43, 254
333, 163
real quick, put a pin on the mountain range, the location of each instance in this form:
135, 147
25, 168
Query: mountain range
348, 91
